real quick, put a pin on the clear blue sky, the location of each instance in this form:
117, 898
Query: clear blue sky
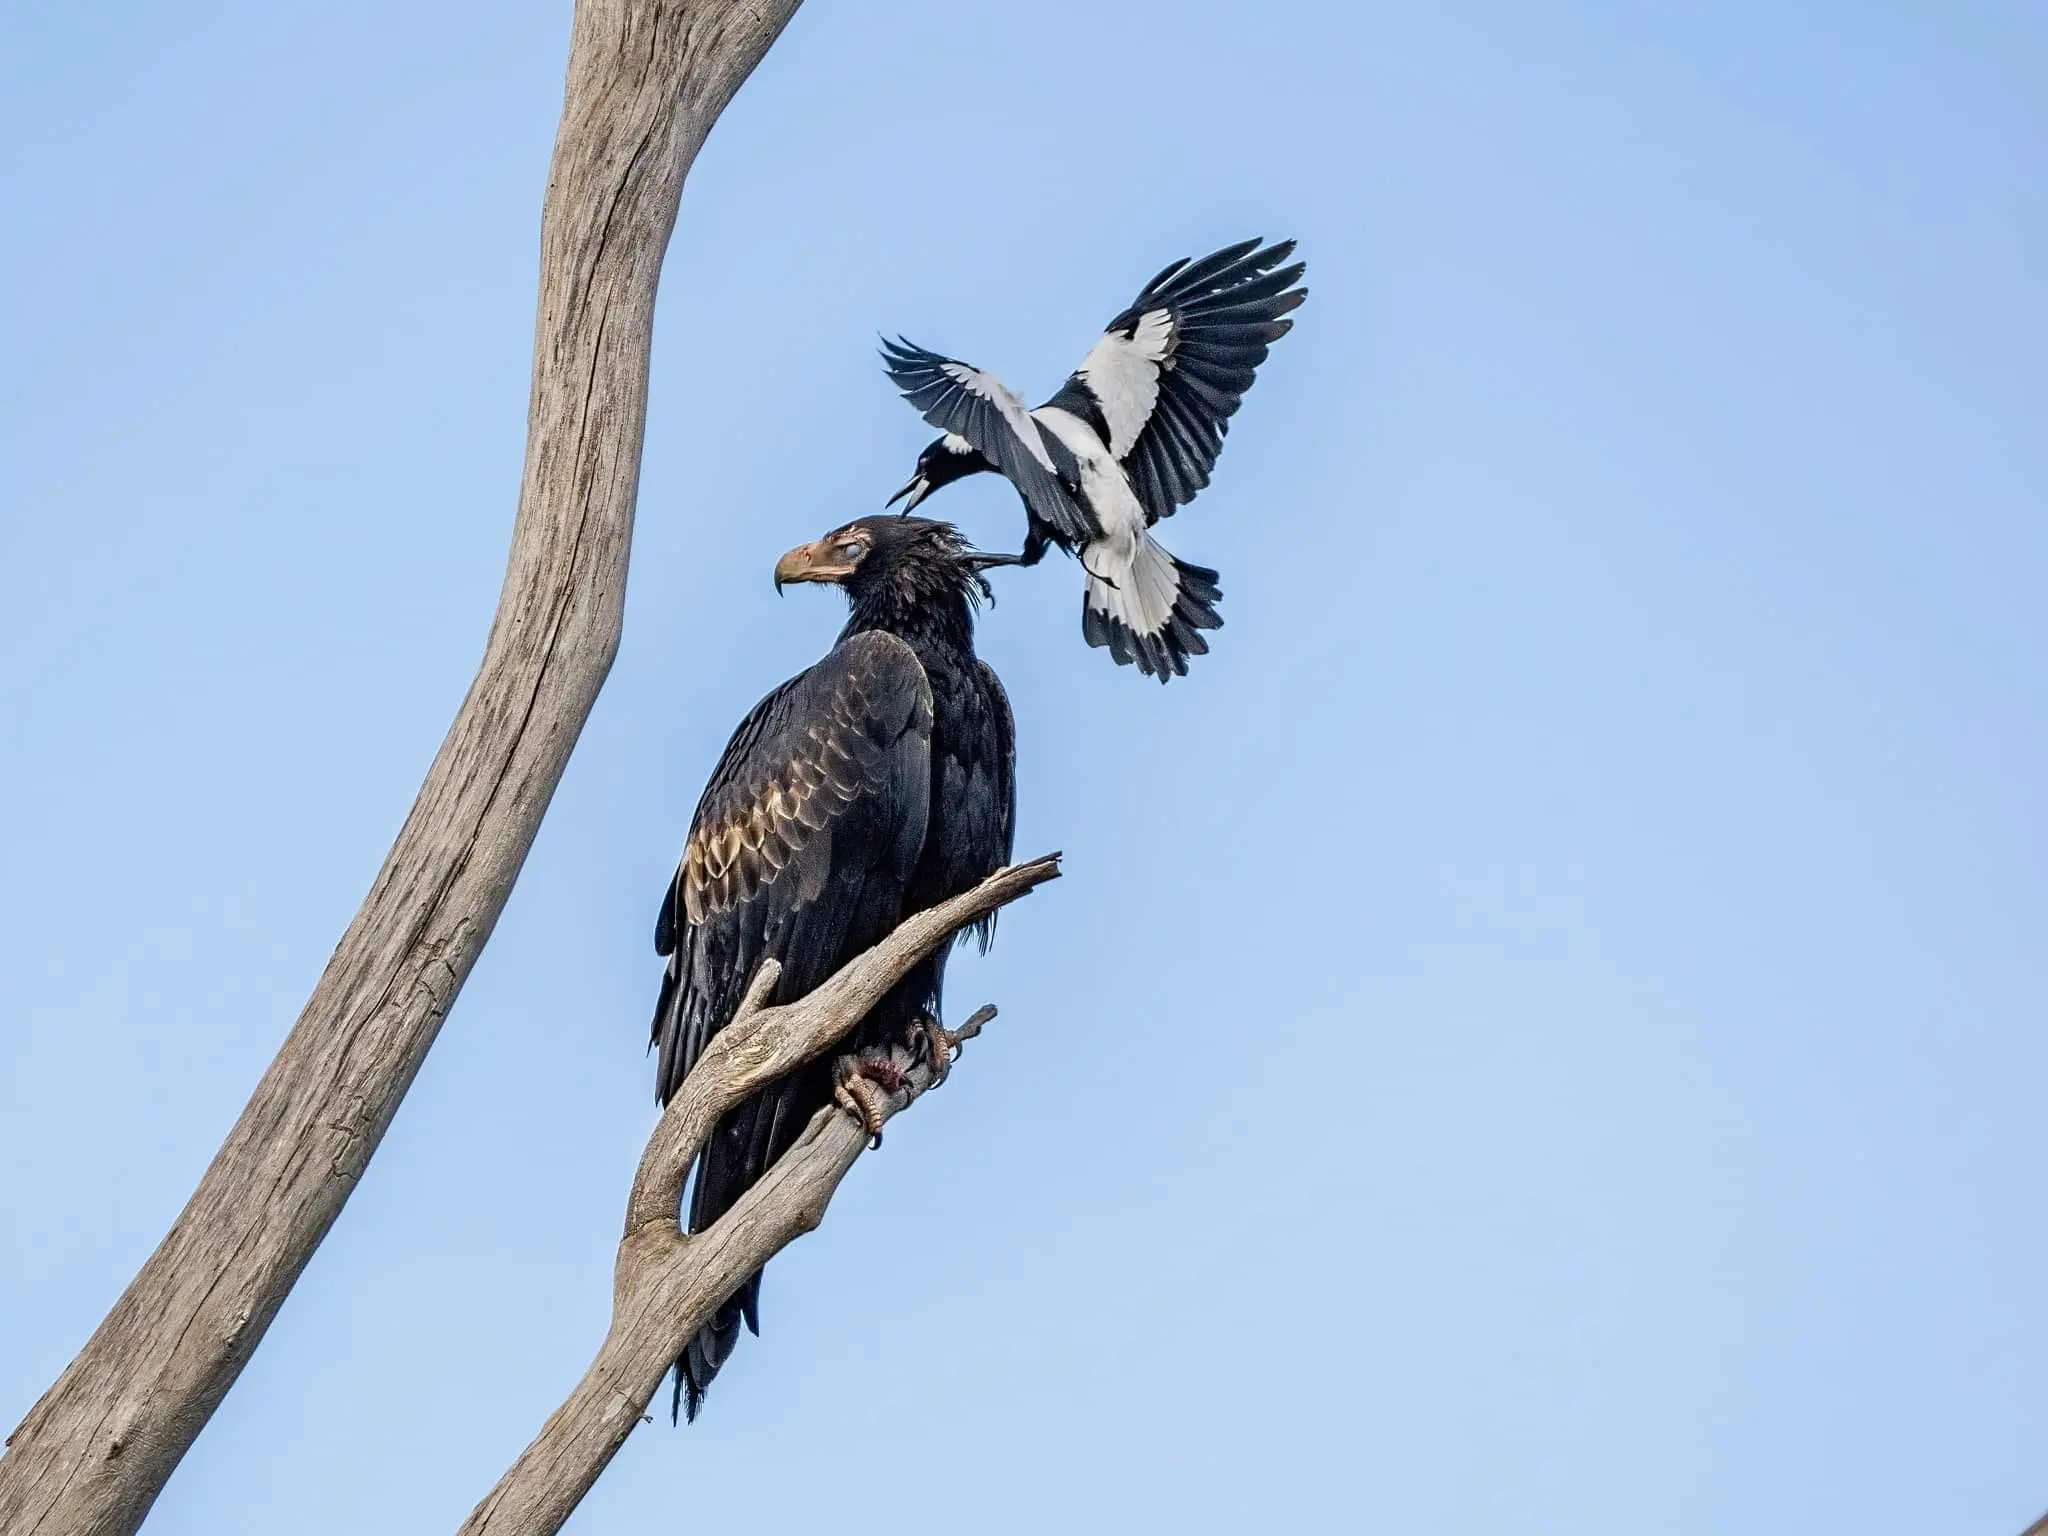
1543, 1031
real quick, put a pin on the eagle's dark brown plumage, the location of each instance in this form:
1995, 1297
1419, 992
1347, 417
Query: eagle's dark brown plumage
872, 785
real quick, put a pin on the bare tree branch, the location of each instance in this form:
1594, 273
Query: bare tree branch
646, 80
666, 1285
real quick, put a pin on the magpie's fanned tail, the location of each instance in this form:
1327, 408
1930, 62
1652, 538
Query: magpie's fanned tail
1147, 607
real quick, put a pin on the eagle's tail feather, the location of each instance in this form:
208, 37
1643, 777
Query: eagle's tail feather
711, 1347
740, 1149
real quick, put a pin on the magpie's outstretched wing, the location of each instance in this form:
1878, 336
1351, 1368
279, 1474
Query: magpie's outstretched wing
1171, 370
959, 398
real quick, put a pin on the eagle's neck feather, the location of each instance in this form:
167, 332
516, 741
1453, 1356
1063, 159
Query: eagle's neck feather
921, 604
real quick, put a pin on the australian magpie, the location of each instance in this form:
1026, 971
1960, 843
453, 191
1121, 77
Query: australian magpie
1129, 438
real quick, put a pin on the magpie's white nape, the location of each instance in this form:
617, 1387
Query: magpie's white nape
1130, 438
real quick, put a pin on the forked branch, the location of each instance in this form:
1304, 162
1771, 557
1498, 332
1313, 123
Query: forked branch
666, 1285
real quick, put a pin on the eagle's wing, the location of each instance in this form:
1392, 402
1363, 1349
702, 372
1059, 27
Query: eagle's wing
804, 837
1171, 370
978, 407
801, 850
1001, 769
978, 775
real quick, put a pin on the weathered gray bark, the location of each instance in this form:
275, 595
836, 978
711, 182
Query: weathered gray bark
665, 1284
646, 80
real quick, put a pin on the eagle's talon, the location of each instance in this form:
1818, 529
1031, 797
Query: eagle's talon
938, 1045
931, 1042
860, 1084
857, 1096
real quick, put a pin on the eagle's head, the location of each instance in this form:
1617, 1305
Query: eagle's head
910, 554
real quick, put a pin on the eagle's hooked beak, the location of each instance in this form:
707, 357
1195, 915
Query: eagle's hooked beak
815, 561
916, 490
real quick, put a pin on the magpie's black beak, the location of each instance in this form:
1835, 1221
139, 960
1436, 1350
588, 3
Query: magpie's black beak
916, 491
982, 561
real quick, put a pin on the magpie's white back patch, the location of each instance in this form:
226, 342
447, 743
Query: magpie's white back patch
1122, 372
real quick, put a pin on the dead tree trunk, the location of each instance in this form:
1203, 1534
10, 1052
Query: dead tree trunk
646, 81
665, 1285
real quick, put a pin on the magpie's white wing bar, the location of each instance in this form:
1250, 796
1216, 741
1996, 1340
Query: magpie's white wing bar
1171, 370
1122, 372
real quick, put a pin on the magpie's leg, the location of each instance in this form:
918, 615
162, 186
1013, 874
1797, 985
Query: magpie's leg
1082, 555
